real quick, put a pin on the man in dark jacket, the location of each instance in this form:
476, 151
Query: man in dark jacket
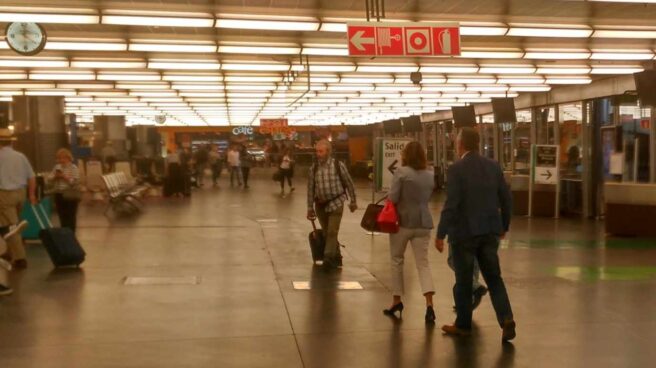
475, 216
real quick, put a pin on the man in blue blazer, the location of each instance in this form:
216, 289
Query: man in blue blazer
475, 216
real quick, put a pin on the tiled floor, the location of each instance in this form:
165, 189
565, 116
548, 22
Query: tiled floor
579, 300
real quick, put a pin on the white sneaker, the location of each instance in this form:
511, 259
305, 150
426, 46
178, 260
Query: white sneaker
15, 229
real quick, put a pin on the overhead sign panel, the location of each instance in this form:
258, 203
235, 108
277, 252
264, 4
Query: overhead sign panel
403, 39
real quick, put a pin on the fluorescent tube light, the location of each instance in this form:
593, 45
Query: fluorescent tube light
130, 20
550, 32
256, 67
182, 65
142, 86
261, 50
616, 33
615, 70
33, 63
556, 70
622, 55
191, 78
520, 80
325, 51
85, 85
198, 87
108, 64
51, 92
332, 68
530, 88
161, 47
465, 69
267, 25
13, 76
333, 27
255, 79
129, 77
529, 69
86, 46
473, 29
49, 18
555, 55
386, 68
62, 76
492, 54
492, 88
471, 80
27, 85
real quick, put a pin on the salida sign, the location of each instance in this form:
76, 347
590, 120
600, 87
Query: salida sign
403, 39
388, 160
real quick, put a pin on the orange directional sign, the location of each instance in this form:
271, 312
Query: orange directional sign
403, 39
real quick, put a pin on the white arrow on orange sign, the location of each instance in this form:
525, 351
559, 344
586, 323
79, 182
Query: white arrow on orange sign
358, 40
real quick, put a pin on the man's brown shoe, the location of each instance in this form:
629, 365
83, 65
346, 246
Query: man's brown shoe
455, 331
508, 330
20, 264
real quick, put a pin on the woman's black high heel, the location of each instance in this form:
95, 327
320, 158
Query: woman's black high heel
430, 315
395, 308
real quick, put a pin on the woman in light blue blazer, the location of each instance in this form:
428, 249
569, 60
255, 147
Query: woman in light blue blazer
411, 191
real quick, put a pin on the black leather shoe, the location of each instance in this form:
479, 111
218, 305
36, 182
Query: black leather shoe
479, 293
395, 308
430, 315
508, 330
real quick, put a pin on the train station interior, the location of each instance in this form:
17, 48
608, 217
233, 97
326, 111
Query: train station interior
166, 121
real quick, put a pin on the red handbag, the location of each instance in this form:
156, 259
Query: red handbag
388, 219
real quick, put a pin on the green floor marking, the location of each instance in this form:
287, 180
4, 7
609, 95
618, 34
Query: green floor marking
605, 273
570, 244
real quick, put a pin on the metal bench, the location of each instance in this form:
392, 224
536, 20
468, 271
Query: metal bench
123, 198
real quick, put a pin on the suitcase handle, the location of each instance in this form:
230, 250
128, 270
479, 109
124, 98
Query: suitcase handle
46, 220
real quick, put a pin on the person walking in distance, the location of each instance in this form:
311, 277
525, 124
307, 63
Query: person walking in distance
411, 191
329, 186
246, 160
66, 177
286, 170
16, 174
475, 216
108, 154
216, 164
235, 165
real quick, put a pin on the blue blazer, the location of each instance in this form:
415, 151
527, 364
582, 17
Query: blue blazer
478, 200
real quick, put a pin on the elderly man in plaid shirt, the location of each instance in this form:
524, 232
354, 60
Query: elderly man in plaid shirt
329, 186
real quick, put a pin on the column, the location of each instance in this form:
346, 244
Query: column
39, 125
110, 129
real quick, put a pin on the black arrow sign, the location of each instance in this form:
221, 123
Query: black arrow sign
547, 175
392, 167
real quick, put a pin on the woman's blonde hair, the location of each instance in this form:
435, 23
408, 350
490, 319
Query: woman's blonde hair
66, 153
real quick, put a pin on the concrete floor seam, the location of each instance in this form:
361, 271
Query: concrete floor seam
282, 295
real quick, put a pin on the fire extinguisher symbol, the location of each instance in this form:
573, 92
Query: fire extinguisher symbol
445, 41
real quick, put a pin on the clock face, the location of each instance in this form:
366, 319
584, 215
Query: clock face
26, 38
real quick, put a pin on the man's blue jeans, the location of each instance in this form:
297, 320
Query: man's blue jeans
484, 249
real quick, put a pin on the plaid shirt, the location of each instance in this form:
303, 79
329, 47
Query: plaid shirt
325, 185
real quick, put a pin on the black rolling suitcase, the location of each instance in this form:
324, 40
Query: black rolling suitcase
317, 243
60, 243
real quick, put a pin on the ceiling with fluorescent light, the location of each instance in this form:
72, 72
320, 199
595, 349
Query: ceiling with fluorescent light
232, 62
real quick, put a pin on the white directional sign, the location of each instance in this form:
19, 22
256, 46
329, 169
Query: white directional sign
545, 164
388, 159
